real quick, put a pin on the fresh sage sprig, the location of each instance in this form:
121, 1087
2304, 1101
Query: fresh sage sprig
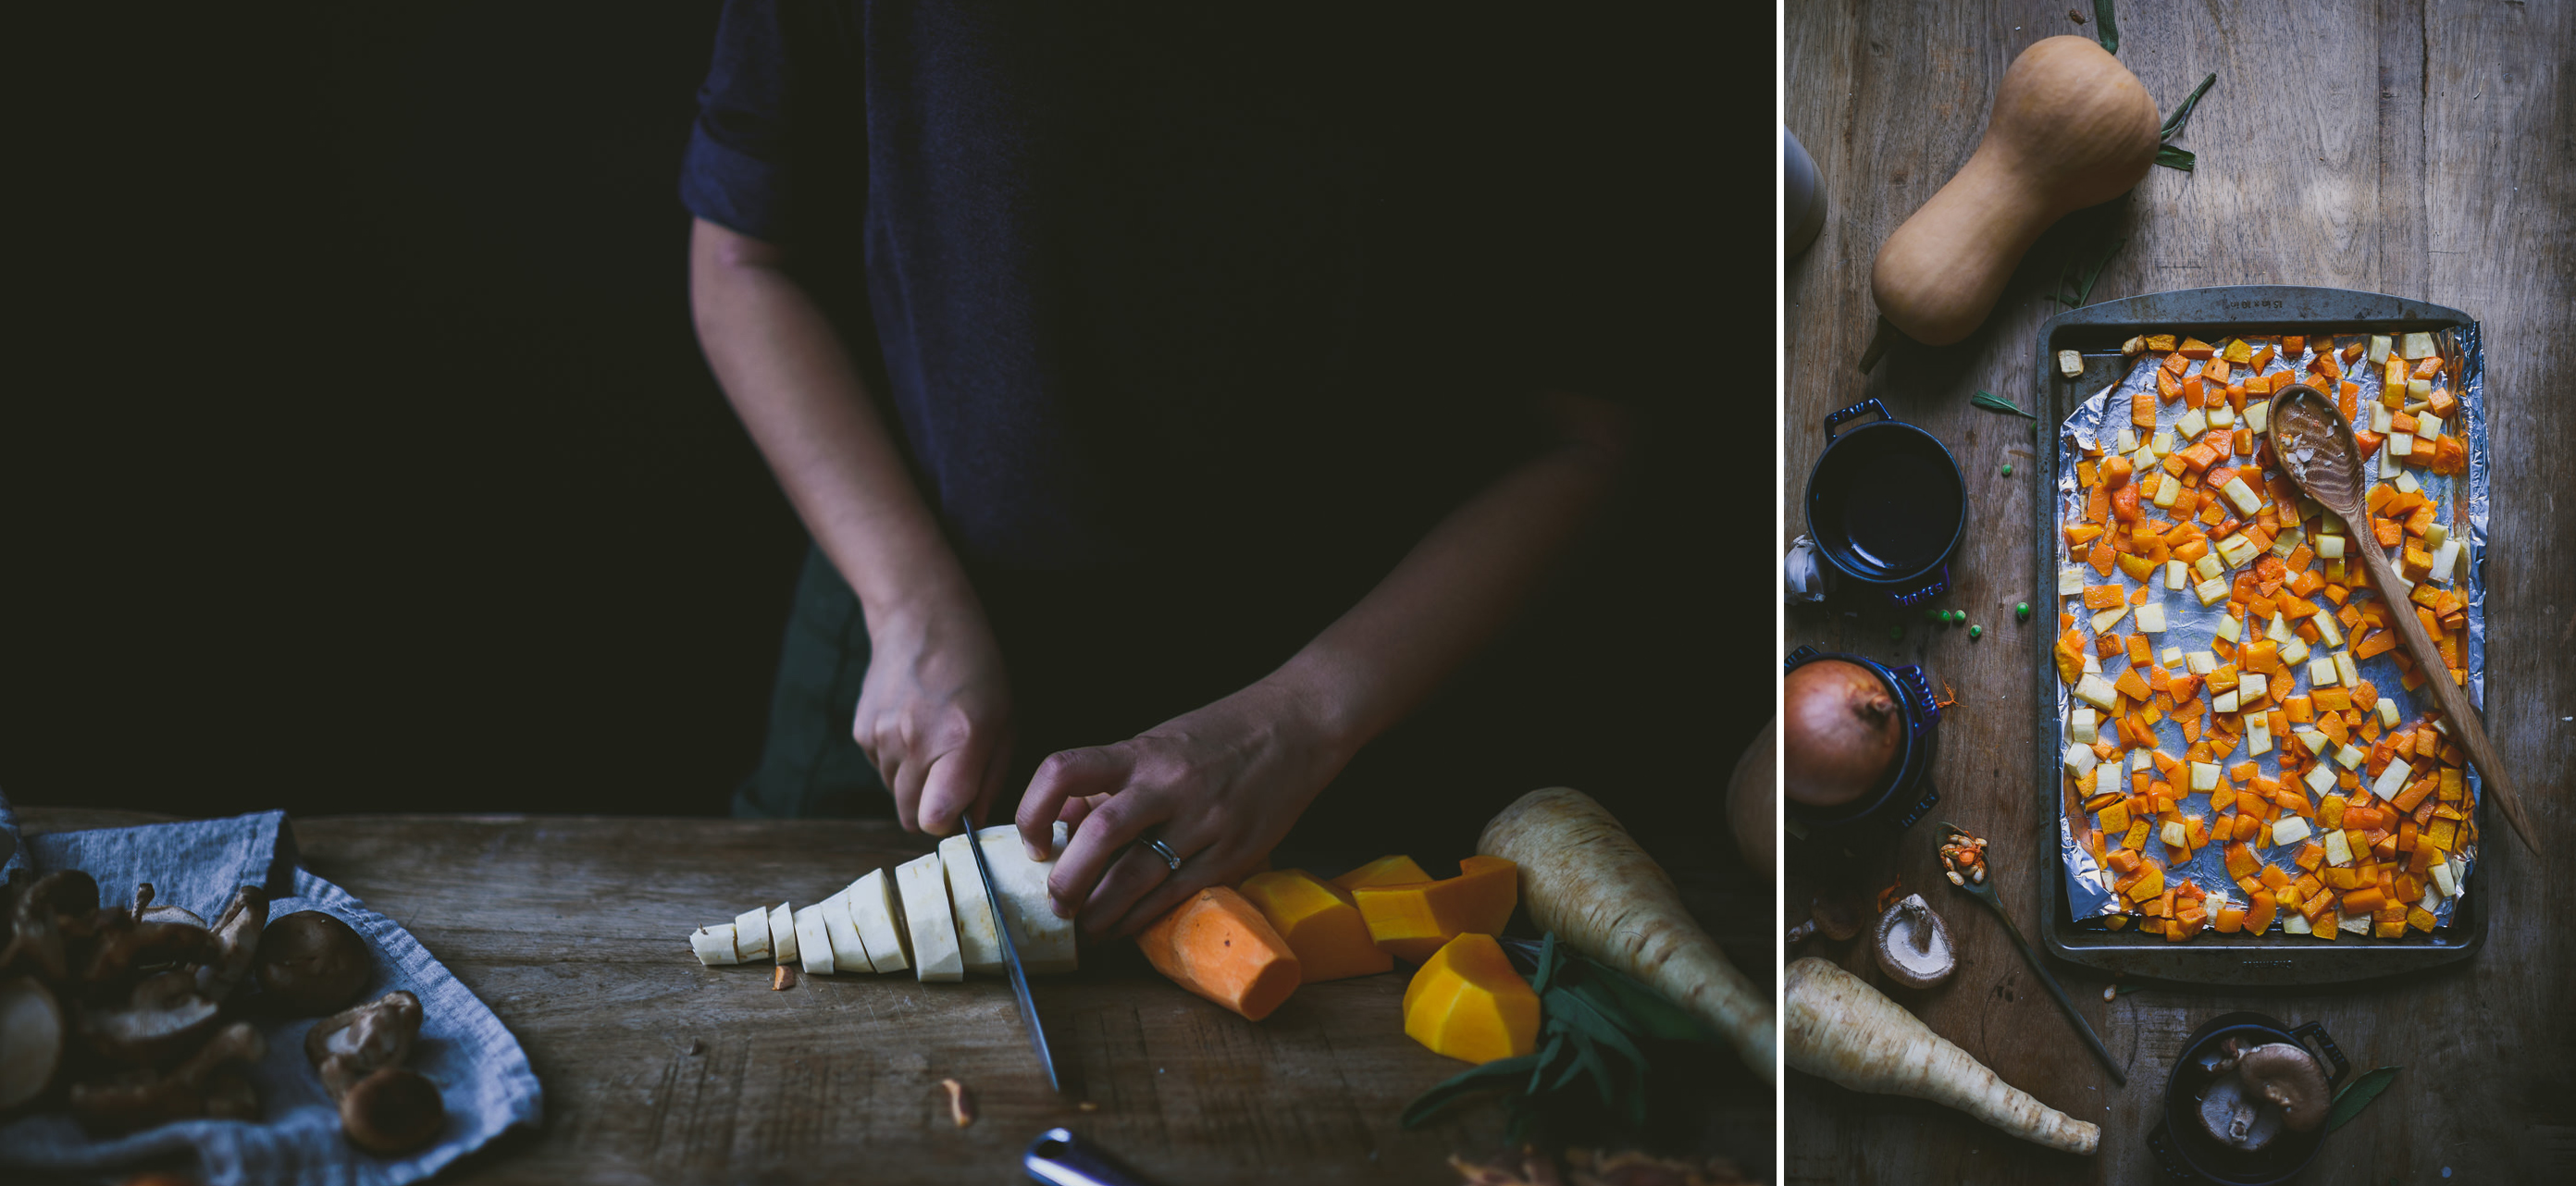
1596, 1026
2104, 27
2357, 1095
1996, 403
2168, 155
2084, 289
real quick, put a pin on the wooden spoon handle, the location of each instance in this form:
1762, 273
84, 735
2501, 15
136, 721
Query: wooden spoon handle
2456, 710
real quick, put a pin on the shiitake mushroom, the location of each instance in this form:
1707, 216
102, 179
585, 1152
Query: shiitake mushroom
311, 963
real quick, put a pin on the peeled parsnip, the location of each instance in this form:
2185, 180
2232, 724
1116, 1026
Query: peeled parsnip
1843, 1031
1583, 877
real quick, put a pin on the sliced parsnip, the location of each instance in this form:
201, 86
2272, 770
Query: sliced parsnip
923, 885
751, 934
849, 952
782, 933
813, 947
1046, 942
714, 945
879, 920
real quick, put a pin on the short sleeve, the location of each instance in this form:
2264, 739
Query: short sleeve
753, 111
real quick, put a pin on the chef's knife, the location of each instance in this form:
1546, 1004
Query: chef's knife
1011, 955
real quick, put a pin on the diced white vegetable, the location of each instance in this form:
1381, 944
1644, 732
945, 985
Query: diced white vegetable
2204, 776
922, 883
2162, 442
2177, 575
2258, 414
2406, 484
876, 915
2392, 779
2329, 629
2358, 924
2141, 760
2211, 592
2083, 726
2200, 662
2170, 656
2092, 663
841, 934
2070, 582
2446, 562
2279, 630
2442, 877
2258, 735
2229, 629
714, 945
2289, 829
2175, 834
2251, 687
2247, 502
2388, 713
2237, 550
2321, 779
2106, 778
2222, 416
2428, 425
812, 944
2109, 618
2378, 349
2070, 364
2096, 691
2080, 759
2349, 672
2436, 535
2225, 702
1046, 942
2168, 492
782, 933
2338, 850
2295, 923
751, 934
2417, 345
2389, 465
2401, 445
2192, 425
2295, 650
2208, 568
2126, 442
2329, 547
2351, 756
2151, 618
2315, 742
2289, 540
2380, 418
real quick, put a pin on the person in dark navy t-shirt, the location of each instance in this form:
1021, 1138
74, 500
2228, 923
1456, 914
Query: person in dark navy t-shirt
1170, 399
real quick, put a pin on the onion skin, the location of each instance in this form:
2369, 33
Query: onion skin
1840, 733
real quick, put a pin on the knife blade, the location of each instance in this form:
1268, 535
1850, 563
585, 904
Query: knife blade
1011, 955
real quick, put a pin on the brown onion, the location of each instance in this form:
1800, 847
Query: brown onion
1840, 732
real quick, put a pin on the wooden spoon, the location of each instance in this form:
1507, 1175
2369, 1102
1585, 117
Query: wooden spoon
2313, 444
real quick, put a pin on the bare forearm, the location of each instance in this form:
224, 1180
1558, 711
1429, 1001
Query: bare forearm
1460, 586
797, 391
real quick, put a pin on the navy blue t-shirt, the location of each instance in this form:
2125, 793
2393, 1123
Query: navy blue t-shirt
1153, 292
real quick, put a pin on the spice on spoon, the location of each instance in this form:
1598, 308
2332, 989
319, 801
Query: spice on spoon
1963, 856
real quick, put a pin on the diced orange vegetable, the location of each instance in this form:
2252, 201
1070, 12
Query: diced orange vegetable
1219, 946
1413, 920
1321, 923
1468, 1002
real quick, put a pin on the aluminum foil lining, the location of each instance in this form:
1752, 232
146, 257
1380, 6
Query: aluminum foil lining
2189, 626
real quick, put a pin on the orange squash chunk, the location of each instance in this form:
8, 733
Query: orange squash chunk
1219, 946
1383, 871
1414, 920
1467, 1002
1320, 922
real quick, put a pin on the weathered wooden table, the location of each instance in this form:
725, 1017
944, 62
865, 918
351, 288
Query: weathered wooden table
656, 1069
2423, 149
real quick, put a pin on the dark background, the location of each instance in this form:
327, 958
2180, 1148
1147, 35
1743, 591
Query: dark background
360, 457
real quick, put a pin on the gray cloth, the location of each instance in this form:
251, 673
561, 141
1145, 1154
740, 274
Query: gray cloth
481, 1073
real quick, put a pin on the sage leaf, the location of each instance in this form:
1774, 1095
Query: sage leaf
2107, 29
2357, 1095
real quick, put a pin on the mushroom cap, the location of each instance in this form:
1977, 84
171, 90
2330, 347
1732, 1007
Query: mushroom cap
1914, 913
31, 1040
2236, 1119
1835, 917
392, 1111
163, 1018
311, 963
2288, 1078
352, 1044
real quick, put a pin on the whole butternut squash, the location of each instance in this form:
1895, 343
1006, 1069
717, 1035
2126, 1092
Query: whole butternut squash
2071, 128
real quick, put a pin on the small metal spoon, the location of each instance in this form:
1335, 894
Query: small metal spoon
1985, 892
2313, 444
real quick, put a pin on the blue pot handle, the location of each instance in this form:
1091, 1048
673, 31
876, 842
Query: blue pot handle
2317, 1030
1836, 420
1932, 585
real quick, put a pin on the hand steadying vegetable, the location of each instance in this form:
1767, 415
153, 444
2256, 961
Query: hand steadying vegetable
1843, 1031
1583, 877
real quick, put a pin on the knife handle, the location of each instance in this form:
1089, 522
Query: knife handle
1060, 1158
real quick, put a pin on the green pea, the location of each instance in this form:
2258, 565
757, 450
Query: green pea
1930, 614
2007, 469
1976, 632
2021, 611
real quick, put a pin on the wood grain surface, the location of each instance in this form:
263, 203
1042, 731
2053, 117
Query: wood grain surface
655, 1069
2423, 149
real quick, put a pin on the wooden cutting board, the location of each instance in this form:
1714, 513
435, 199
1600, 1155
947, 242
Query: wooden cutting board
655, 1068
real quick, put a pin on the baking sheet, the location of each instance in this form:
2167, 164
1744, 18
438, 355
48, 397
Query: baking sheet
2189, 626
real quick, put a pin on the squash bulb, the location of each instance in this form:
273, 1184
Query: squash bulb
1840, 733
2071, 127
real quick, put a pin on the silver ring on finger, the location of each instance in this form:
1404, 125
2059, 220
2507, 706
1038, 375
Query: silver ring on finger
1171, 860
